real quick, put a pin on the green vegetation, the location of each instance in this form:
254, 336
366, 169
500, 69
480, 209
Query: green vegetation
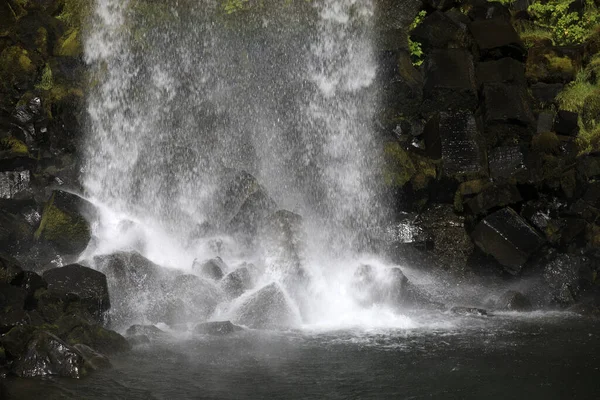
14, 145
564, 26
402, 166
231, 6
46, 81
60, 227
416, 52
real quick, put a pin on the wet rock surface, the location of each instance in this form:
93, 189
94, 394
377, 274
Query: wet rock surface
217, 328
267, 308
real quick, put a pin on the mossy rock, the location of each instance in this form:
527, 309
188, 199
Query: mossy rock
63, 225
75, 330
13, 146
468, 189
69, 45
17, 69
402, 166
553, 64
545, 142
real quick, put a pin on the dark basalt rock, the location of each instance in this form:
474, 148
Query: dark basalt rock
507, 104
504, 70
90, 287
494, 196
217, 328
566, 123
512, 300
402, 85
30, 282
199, 296
456, 139
449, 80
138, 340
12, 305
497, 38
65, 224
211, 269
506, 162
451, 246
47, 355
508, 238
244, 203
236, 283
562, 275
545, 122
439, 31
76, 330
266, 309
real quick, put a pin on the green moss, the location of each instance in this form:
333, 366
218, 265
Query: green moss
46, 81
70, 45
545, 142
58, 226
575, 94
232, 6
560, 64
14, 145
533, 35
468, 188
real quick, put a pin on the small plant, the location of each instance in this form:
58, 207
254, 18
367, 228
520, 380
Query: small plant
416, 51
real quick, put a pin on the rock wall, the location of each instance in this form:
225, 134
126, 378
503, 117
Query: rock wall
478, 145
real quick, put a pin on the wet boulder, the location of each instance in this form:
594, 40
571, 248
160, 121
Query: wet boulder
545, 122
139, 288
65, 224
47, 355
386, 286
445, 238
455, 137
402, 84
196, 300
217, 328
76, 330
211, 269
484, 10
88, 285
508, 238
236, 282
449, 80
497, 38
267, 308
244, 203
562, 275
31, 282
512, 300
92, 358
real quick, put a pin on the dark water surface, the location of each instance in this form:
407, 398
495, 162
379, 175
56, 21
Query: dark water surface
510, 356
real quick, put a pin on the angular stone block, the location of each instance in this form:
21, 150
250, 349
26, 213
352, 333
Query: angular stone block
505, 162
508, 238
545, 122
456, 139
566, 123
450, 80
507, 104
497, 38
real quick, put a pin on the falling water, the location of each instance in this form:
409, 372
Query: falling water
185, 93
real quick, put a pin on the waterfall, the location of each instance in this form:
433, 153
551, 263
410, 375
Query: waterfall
183, 94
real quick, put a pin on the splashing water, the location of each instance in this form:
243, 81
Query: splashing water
185, 93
